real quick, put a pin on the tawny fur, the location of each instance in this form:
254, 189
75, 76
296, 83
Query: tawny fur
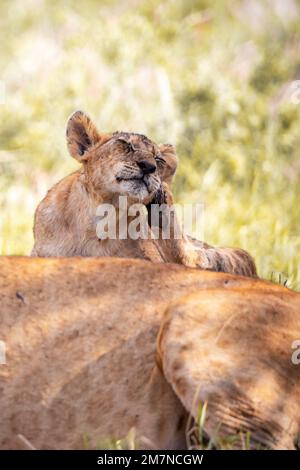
80, 338
233, 350
65, 220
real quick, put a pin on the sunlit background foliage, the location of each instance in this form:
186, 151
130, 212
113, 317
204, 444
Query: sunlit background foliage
217, 78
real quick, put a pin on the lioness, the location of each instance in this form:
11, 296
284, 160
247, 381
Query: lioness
117, 164
80, 359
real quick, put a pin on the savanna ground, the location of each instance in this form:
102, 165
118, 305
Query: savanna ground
216, 78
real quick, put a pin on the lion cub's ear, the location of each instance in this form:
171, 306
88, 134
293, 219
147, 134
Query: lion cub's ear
81, 135
168, 154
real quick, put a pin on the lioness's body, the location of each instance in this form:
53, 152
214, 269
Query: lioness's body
80, 338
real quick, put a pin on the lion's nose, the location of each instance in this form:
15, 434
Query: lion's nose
146, 167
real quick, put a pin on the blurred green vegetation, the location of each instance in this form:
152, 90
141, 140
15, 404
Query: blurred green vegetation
214, 77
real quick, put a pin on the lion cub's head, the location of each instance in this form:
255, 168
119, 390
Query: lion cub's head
120, 163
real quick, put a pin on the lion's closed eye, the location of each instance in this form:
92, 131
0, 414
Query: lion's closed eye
126, 145
160, 160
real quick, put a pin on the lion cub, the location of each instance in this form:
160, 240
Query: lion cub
113, 165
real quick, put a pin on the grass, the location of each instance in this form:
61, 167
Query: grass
196, 438
216, 78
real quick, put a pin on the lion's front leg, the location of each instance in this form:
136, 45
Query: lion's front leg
172, 240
